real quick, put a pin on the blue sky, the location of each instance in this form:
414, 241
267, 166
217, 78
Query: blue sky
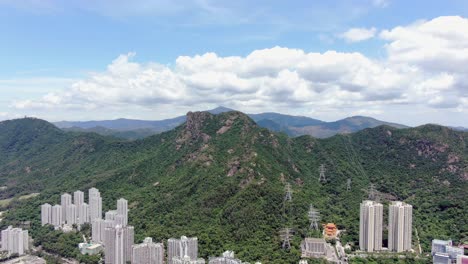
54, 53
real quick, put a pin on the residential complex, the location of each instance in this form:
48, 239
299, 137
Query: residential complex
400, 218
68, 213
370, 226
182, 250
15, 240
148, 252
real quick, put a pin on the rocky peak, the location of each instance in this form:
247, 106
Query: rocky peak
195, 122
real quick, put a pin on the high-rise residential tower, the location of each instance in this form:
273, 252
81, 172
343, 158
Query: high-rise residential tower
46, 214
118, 242
15, 240
400, 218
370, 226
71, 214
148, 252
78, 198
122, 210
65, 201
57, 213
182, 248
95, 204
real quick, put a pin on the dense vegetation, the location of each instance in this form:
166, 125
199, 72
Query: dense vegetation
221, 178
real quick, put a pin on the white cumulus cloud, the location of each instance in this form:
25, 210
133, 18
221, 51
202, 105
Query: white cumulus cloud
358, 34
424, 69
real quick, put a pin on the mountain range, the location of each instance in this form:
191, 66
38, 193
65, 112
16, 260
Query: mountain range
291, 125
222, 178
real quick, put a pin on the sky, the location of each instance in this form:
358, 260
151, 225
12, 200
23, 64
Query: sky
395, 60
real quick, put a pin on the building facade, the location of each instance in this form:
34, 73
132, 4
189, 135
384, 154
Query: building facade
122, 210
57, 213
148, 252
71, 214
370, 226
118, 242
400, 219
65, 202
182, 248
95, 204
313, 247
46, 214
15, 240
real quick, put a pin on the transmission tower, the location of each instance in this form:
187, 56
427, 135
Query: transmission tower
322, 174
285, 235
314, 217
288, 195
348, 185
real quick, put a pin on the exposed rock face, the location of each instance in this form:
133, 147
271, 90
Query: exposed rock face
193, 126
195, 122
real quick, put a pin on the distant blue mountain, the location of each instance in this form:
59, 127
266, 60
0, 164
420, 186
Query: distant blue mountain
291, 125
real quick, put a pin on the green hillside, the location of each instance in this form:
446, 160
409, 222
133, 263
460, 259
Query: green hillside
221, 178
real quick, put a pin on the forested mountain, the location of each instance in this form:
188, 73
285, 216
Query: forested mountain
291, 125
222, 178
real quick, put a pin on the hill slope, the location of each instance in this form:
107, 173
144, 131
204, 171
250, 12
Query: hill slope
221, 178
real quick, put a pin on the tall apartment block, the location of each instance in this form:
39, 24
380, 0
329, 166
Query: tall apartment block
400, 218
71, 214
57, 213
226, 258
65, 201
370, 226
118, 243
15, 240
46, 214
95, 204
183, 249
148, 252
82, 213
78, 198
122, 210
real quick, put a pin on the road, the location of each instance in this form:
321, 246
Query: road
343, 259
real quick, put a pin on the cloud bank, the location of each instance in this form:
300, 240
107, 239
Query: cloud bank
423, 68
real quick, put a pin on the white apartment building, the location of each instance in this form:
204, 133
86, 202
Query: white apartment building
400, 218
118, 242
370, 226
46, 214
15, 240
122, 210
148, 252
65, 201
181, 249
57, 213
95, 204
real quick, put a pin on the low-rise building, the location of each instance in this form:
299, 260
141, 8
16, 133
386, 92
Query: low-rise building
313, 247
226, 258
90, 248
